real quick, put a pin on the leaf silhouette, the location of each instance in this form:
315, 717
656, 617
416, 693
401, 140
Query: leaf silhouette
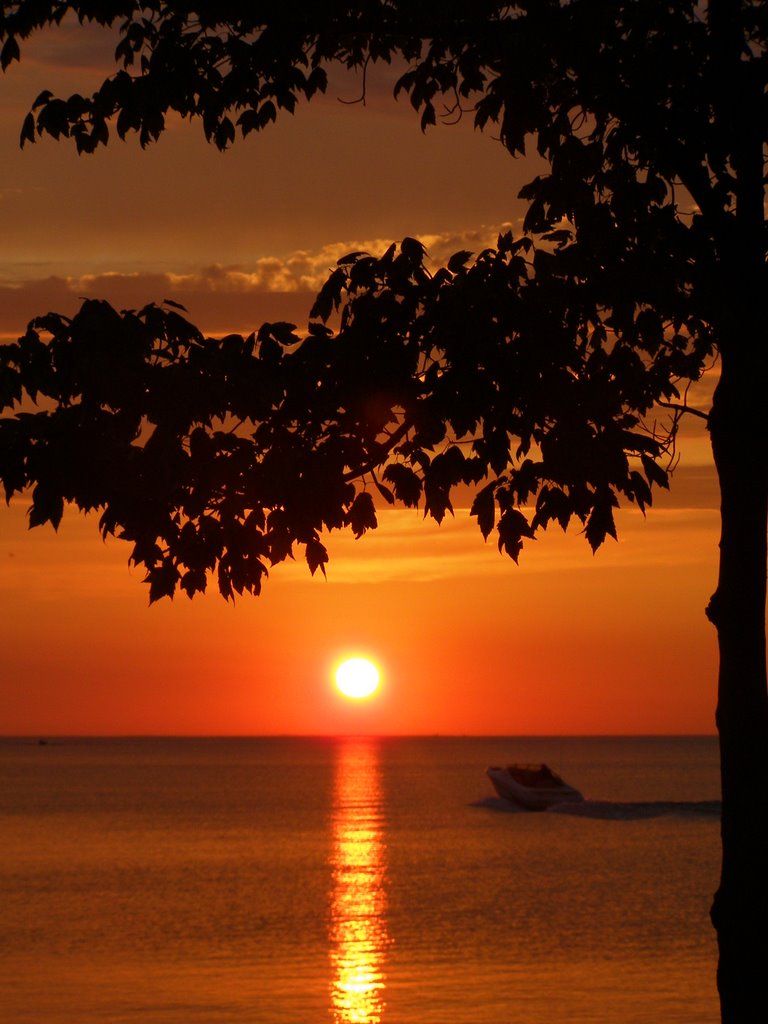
362, 514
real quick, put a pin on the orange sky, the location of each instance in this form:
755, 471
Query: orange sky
467, 642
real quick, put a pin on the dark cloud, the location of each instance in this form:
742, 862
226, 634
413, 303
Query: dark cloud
215, 310
219, 298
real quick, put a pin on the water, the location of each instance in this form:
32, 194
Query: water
353, 881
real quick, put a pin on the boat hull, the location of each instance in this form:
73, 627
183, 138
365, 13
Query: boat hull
532, 797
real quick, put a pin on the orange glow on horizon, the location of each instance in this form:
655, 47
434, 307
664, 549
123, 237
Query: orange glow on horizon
566, 643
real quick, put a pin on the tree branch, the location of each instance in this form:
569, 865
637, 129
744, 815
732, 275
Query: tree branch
376, 459
680, 409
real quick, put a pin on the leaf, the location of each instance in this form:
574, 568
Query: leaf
352, 257
447, 469
561, 237
162, 580
284, 333
650, 327
9, 53
193, 582
428, 116
279, 538
249, 121
223, 136
266, 113
552, 503
42, 99
484, 507
362, 514
639, 490
269, 351
10, 386
317, 81
224, 582
316, 555
458, 261
329, 296
385, 492
654, 472
412, 249
406, 483
27, 130
600, 523
493, 448
437, 500
512, 528
46, 507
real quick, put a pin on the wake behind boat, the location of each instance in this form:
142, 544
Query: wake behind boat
533, 786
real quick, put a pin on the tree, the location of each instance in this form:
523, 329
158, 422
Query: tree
526, 371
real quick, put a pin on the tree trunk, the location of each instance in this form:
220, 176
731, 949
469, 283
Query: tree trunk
739, 442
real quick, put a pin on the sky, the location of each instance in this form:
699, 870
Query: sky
466, 642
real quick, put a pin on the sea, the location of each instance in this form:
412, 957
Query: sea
355, 881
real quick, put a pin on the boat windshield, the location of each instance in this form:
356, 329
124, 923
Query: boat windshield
537, 775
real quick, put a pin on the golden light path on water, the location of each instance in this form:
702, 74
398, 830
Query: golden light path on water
358, 924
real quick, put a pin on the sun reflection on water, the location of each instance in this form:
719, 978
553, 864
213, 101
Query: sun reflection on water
358, 924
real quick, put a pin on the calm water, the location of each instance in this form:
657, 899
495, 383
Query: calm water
297, 881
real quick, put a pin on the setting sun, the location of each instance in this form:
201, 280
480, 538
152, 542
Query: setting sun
357, 677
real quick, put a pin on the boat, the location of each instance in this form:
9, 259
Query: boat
533, 786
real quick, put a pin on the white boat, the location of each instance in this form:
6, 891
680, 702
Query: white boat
533, 786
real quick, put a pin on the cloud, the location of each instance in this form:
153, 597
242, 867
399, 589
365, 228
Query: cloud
408, 549
72, 47
306, 270
220, 298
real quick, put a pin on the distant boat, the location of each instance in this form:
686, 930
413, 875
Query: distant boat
533, 786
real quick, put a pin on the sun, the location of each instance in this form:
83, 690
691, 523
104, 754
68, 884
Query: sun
357, 678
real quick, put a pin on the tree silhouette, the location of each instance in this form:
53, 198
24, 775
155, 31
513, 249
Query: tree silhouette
526, 370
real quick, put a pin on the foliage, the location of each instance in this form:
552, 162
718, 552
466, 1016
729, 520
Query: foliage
525, 371
222, 454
